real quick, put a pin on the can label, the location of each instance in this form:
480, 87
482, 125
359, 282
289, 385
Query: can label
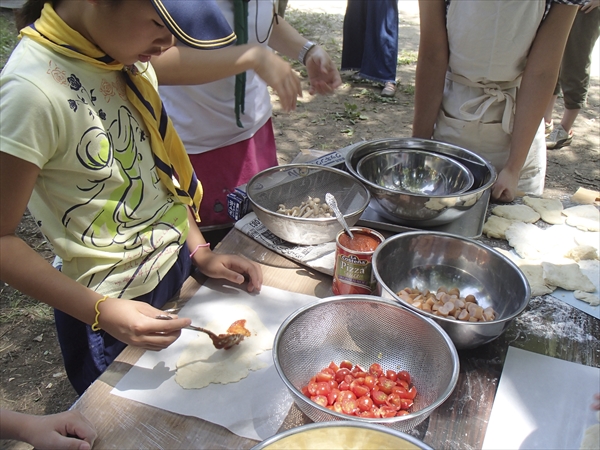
353, 272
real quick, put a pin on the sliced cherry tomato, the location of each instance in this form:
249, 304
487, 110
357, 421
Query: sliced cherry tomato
386, 385
325, 375
305, 391
337, 407
333, 366
391, 375
312, 388
387, 411
402, 412
403, 383
357, 368
333, 384
319, 400
341, 374
394, 400
376, 370
359, 389
406, 403
370, 381
412, 392
349, 406
349, 378
323, 388
401, 391
343, 386
404, 375
359, 374
368, 415
346, 365
379, 397
333, 396
364, 403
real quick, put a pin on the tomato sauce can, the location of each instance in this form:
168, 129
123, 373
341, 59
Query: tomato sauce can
353, 270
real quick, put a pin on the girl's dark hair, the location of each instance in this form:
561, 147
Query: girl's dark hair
30, 12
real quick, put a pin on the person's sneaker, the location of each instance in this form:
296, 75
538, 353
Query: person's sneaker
356, 77
559, 138
389, 89
549, 127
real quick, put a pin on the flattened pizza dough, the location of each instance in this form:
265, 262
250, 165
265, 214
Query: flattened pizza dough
582, 252
496, 226
527, 240
532, 269
592, 299
583, 217
201, 363
521, 213
567, 276
550, 209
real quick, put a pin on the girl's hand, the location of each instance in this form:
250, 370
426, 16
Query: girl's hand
134, 323
323, 75
231, 268
590, 5
505, 187
280, 76
67, 430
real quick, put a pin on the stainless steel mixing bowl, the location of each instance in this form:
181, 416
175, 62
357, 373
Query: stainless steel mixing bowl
429, 260
342, 435
415, 172
291, 185
415, 210
366, 329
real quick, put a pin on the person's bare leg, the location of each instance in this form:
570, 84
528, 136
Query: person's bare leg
568, 118
550, 110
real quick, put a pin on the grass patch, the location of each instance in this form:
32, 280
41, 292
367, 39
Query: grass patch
407, 57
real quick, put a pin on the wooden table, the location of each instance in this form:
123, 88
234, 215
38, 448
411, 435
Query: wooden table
460, 422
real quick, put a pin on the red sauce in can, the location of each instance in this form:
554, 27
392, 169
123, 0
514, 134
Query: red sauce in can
353, 272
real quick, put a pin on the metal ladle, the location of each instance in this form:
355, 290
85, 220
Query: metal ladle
331, 201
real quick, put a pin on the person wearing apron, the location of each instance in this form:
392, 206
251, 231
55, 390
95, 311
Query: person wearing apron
485, 73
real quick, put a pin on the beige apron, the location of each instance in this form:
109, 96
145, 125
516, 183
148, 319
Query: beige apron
488, 52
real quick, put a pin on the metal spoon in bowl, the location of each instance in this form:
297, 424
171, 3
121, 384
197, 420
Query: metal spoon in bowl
331, 201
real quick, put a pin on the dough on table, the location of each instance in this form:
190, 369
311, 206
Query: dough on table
592, 299
533, 271
567, 276
550, 209
496, 226
589, 238
527, 240
582, 252
583, 217
521, 213
201, 363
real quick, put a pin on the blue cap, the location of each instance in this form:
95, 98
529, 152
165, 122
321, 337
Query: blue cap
196, 23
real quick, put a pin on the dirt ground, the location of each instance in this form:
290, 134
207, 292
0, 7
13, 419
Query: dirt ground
33, 377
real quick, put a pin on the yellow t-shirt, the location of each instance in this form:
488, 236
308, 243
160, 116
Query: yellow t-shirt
98, 198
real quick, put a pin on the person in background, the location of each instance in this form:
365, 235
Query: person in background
68, 430
370, 45
485, 73
226, 125
574, 77
86, 145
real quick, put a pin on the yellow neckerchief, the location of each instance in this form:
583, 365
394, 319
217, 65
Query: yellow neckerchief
168, 150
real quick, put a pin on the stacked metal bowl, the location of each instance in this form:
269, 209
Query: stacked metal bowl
420, 182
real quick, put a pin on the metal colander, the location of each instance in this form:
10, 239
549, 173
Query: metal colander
291, 185
366, 329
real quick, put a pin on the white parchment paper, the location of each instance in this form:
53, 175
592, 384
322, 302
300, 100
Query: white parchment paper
541, 403
261, 399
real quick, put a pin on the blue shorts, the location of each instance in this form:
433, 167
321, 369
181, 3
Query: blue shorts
87, 353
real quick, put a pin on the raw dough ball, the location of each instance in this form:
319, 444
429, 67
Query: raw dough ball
549, 208
521, 213
583, 217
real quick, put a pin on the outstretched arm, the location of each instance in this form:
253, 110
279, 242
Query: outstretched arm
537, 85
432, 64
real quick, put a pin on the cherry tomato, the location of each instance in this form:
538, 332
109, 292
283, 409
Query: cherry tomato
386, 385
387, 411
402, 412
343, 386
376, 370
364, 403
359, 389
312, 388
333, 396
402, 393
337, 407
341, 374
305, 391
346, 365
403, 383
368, 414
359, 374
349, 406
325, 375
412, 392
347, 395
349, 378
333, 366
406, 403
323, 388
370, 381
394, 400
391, 375
379, 397
404, 375
357, 369
319, 400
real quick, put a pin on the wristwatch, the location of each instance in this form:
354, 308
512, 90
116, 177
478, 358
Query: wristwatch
304, 51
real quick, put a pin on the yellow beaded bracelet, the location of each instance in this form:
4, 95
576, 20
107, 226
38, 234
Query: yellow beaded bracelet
95, 326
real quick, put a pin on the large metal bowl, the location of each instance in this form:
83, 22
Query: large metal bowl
415, 172
291, 185
366, 329
429, 260
416, 210
341, 435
